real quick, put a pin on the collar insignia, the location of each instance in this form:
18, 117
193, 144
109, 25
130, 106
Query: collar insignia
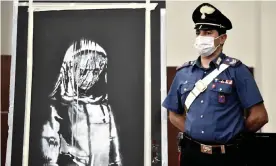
218, 61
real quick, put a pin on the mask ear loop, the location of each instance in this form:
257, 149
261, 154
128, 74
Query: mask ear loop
217, 47
219, 43
219, 37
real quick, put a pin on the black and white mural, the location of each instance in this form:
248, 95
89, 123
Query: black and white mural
87, 104
81, 124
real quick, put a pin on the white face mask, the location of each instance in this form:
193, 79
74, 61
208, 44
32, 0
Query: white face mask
205, 45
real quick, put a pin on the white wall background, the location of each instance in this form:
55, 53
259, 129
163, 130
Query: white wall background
251, 40
6, 27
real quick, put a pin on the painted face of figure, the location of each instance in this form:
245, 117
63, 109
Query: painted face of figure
83, 64
50, 140
89, 61
88, 65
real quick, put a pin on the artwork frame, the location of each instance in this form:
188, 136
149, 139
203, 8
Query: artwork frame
18, 69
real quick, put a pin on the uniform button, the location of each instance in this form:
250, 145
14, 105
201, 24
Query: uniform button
220, 89
201, 116
201, 101
205, 72
186, 82
185, 89
202, 132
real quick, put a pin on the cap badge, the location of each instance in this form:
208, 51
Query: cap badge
206, 10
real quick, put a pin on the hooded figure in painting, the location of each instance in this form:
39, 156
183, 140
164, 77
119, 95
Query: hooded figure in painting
81, 126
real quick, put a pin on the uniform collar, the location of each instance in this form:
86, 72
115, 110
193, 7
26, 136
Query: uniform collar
218, 61
214, 63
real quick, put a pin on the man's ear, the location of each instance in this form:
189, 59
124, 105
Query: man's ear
223, 39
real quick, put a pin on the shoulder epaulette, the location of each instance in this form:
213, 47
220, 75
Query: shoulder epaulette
232, 61
186, 64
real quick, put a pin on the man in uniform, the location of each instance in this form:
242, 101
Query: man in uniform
208, 96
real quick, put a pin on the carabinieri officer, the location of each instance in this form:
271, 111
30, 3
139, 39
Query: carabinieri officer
208, 97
